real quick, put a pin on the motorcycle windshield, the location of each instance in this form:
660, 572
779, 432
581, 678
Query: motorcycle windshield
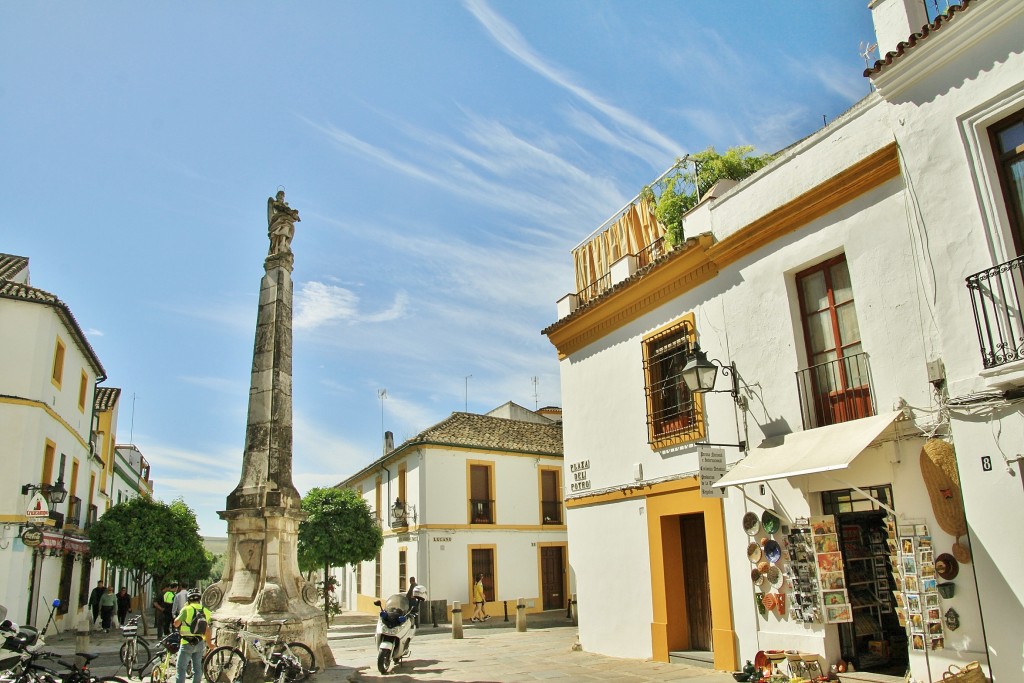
397, 602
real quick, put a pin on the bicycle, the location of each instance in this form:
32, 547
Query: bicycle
289, 662
135, 648
163, 668
31, 671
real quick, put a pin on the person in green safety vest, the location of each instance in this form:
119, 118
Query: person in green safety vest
193, 623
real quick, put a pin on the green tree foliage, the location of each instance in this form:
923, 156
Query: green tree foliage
216, 567
340, 530
149, 537
676, 193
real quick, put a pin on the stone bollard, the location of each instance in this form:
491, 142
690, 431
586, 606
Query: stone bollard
520, 615
82, 638
456, 621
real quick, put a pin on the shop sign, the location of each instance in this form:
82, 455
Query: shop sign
31, 537
712, 468
37, 508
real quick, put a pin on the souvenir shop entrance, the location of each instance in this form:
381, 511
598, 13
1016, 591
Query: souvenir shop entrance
874, 641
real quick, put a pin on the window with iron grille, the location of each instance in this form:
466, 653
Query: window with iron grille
377, 578
848, 500
401, 570
673, 413
550, 496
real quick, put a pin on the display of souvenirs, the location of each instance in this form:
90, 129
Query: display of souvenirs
835, 600
767, 572
916, 591
804, 603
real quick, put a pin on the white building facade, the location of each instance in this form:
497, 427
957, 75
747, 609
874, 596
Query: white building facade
48, 378
831, 285
473, 494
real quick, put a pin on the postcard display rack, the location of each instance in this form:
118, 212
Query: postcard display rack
816, 573
918, 604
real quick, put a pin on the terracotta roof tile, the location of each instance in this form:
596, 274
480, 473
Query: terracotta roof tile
106, 398
927, 30
11, 265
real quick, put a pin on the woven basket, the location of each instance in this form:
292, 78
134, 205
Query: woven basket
969, 673
941, 479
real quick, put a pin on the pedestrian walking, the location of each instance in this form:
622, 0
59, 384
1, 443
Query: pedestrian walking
193, 623
94, 600
478, 600
169, 604
124, 605
108, 603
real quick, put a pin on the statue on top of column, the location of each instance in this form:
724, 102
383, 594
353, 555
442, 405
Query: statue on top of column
281, 220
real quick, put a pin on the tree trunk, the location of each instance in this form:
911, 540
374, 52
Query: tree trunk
327, 593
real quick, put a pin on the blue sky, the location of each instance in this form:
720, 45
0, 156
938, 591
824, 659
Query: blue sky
445, 157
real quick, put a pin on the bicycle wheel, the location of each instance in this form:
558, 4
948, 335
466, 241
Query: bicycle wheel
132, 652
224, 665
306, 658
108, 679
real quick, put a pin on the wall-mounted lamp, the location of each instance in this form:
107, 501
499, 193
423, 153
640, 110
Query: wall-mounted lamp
700, 375
55, 493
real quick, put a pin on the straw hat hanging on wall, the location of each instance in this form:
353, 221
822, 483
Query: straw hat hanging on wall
942, 480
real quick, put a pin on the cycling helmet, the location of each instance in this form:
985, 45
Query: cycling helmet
194, 595
420, 592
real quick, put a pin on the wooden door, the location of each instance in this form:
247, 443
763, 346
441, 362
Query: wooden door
696, 583
552, 573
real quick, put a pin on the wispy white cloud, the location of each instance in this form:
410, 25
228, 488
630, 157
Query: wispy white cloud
318, 304
509, 39
830, 75
93, 332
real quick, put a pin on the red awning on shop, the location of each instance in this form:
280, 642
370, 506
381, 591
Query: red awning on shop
816, 450
58, 541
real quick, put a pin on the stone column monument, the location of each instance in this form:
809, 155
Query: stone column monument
261, 581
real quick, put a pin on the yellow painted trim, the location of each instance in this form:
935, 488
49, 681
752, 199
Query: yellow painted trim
636, 491
12, 400
83, 391
564, 545
73, 485
540, 493
484, 527
494, 575
377, 495
702, 258
489, 464
669, 629
57, 369
698, 430
49, 458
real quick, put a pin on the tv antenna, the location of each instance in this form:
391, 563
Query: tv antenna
536, 399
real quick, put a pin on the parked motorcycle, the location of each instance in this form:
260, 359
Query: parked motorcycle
16, 643
396, 627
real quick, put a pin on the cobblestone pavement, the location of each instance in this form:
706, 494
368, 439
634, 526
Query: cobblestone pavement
493, 652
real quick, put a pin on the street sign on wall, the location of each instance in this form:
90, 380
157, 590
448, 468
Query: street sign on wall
37, 508
712, 468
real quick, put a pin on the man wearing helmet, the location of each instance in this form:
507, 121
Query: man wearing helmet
196, 635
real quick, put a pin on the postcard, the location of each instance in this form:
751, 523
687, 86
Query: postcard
924, 555
910, 584
935, 628
908, 564
934, 614
826, 543
830, 562
924, 542
838, 613
927, 570
920, 529
916, 623
937, 643
906, 530
833, 581
928, 585
834, 598
918, 641
931, 599
908, 545
823, 525
913, 602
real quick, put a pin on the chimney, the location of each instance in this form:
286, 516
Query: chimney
895, 21
389, 442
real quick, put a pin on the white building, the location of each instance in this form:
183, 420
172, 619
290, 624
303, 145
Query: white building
832, 285
48, 378
472, 494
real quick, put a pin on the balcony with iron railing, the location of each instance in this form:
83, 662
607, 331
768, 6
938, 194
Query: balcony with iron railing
74, 517
551, 511
998, 315
836, 391
481, 511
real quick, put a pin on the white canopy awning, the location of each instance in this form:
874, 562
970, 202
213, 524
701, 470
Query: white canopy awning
816, 450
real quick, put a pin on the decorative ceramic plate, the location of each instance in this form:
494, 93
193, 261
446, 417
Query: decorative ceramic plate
775, 577
768, 600
770, 522
763, 566
754, 552
750, 523
773, 551
755, 575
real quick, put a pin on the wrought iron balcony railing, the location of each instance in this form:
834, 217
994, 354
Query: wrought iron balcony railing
481, 511
996, 299
836, 391
552, 511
